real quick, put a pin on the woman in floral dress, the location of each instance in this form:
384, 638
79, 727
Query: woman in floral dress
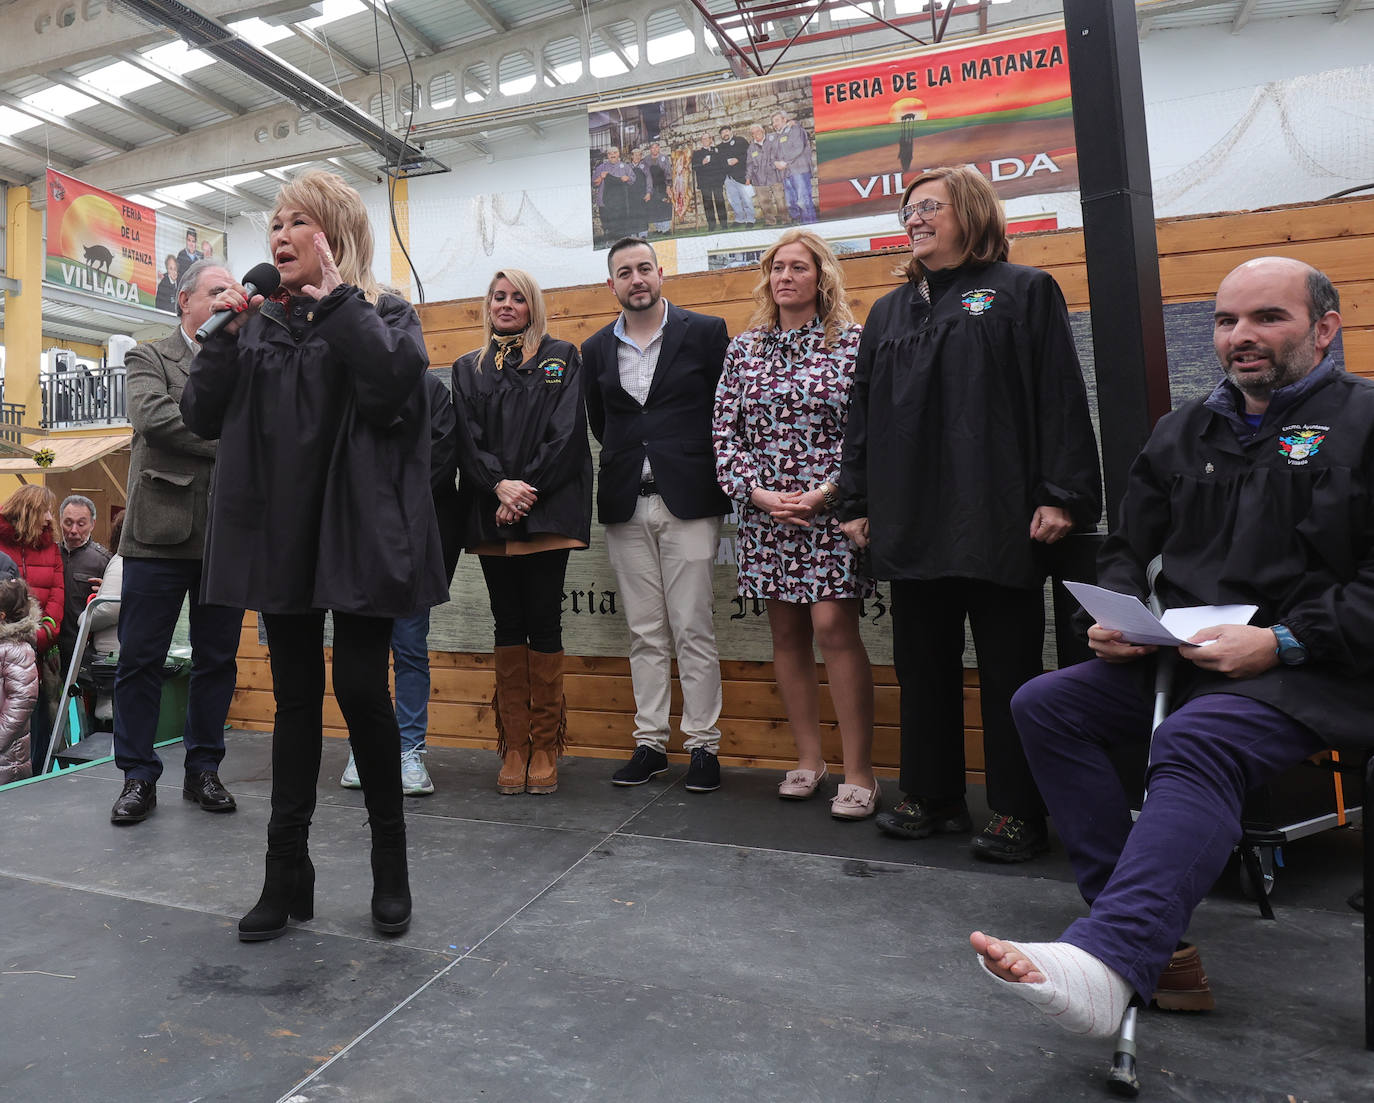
779, 424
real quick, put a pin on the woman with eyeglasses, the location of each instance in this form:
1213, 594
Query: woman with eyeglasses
969, 449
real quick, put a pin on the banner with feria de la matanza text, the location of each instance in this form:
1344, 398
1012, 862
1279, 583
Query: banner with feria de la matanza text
1001, 105
100, 243
107, 246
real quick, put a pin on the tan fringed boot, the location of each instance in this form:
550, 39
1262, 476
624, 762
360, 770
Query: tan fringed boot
548, 720
512, 707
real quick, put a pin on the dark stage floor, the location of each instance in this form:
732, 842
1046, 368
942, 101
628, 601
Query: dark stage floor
607, 944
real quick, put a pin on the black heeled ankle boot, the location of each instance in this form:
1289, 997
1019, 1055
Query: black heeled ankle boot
390, 888
288, 892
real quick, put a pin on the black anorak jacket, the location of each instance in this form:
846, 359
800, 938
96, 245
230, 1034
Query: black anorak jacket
526, 421
964, 418
321, 493
1283, 520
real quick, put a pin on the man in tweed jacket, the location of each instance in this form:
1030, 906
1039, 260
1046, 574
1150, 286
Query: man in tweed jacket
162, 544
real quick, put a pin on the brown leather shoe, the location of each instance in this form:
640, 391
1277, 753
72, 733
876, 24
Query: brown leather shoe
1183, 984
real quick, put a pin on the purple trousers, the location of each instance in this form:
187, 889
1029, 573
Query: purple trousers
1143, 881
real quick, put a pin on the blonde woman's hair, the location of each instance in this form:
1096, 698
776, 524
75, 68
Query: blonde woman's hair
831, 304
27, 510
340, 212
523, 282
977, 210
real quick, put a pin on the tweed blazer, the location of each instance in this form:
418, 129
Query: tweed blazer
169, 466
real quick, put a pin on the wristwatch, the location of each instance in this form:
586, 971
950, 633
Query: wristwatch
1289, 650
830, 494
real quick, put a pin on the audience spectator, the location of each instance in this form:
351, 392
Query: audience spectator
83, 565
19, 617
527, 486
26, 536
105, 616
969, 447
781, 408
410, 635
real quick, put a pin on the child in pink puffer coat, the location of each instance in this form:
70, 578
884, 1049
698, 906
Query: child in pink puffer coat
19, 618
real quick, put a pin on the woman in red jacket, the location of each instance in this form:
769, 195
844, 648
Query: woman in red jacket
26, 536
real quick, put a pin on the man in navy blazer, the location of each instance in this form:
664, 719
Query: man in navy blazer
651, 386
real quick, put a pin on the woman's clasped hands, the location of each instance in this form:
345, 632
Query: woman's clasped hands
793, 507
516, 498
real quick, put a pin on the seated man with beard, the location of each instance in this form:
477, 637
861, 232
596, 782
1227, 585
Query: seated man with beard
1260, 494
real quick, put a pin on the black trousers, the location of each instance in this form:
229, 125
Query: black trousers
362, 654
1008, 626
713, 204
526, 593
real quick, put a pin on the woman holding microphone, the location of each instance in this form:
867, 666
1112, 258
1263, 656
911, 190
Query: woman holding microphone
321, 503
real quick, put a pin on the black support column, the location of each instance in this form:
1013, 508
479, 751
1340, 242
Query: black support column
1118, 231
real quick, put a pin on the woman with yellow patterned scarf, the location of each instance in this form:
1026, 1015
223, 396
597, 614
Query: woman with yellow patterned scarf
526, 493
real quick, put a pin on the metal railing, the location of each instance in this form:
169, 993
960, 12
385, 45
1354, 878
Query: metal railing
83, 396
11, 413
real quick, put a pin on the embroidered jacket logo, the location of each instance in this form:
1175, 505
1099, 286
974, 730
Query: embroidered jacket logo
1299, 443
980, 301
553, 370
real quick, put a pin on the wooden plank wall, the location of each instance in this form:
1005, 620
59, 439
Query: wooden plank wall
1195, 253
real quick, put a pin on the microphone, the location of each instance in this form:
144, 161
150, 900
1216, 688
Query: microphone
262, 279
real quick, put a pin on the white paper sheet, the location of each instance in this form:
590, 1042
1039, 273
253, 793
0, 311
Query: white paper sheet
1128, 615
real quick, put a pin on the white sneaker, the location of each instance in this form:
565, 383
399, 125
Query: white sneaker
414, 777
349, 778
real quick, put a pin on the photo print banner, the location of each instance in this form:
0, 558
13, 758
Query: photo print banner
836, 144
111, 248
1002, 106
705, 163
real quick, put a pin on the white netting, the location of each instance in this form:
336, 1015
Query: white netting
1287, 141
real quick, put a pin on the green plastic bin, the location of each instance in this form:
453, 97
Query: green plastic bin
176, 686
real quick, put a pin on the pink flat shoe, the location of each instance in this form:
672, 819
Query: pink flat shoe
801, 784
853, 802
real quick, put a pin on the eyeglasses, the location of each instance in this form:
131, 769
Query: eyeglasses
926, 208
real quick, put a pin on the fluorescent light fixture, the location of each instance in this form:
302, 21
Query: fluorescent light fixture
60, 100
176, 57
120, 79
